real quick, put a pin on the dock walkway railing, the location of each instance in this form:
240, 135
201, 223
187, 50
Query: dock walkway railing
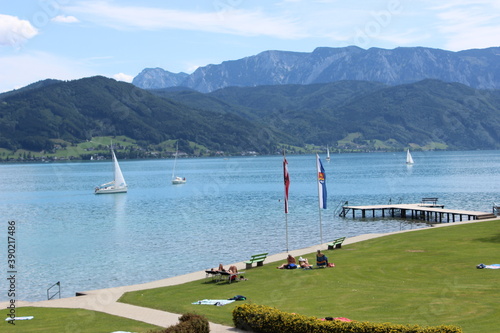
496, 208
435, 213
58, 292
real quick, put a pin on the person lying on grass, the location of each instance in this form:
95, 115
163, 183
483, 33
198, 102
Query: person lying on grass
291, 263
304, 263
232, 269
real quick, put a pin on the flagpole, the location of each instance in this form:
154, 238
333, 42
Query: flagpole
320, 228
320, 221
286, 223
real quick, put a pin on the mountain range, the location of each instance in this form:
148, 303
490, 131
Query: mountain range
477, 68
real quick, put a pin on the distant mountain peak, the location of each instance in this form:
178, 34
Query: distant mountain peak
157, 78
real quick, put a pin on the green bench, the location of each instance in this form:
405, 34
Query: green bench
336, 244
257, 258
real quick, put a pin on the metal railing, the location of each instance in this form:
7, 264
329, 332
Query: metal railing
339, 209
58, 284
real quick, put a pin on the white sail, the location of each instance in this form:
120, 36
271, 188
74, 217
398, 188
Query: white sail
409, 159
177, 180
119, 180
118, 184
327, 153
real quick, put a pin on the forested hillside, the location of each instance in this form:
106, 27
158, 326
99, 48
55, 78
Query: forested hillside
429, 114
345, 115
78, 110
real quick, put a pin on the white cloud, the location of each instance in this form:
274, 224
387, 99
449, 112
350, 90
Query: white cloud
469, 24
123, 77
192, 68
20, 70
230, 21
65, 19
14, 31
409, 37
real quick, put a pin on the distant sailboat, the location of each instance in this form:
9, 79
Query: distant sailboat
118, 185
327, 154
177, 180
409, 159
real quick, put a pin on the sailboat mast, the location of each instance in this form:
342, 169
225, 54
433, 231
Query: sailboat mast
175, 159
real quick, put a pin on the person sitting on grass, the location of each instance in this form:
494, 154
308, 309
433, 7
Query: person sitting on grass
321, 259
291, 263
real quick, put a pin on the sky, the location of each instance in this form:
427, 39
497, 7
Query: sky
71, 39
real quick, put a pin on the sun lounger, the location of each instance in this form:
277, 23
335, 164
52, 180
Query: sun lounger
230, 276
215, 275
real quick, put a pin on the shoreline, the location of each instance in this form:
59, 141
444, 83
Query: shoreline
106, 300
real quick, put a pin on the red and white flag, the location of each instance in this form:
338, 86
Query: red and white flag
286, 178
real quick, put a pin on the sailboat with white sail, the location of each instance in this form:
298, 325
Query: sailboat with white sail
327, 154
118, 184
409, 159
176, 180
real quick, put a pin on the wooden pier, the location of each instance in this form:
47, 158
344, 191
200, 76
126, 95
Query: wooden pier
421, 211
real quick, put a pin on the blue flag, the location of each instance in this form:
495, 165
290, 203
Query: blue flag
321, 183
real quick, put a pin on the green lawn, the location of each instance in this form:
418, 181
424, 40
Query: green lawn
69, 320
426, 277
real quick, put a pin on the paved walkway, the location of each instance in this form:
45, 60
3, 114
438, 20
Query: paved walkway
106, 300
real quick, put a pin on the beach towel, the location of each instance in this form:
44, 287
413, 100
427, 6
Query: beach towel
19, 318
218, 302
493, 266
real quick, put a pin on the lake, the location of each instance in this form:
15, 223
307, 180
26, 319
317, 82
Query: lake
228, 210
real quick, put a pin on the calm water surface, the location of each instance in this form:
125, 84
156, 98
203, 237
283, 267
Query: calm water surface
228, 210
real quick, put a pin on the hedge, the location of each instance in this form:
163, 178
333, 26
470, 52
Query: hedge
264, 319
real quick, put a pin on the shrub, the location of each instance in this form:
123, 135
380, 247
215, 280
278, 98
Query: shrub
188, 323
264, 319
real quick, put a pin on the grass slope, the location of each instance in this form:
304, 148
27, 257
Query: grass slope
70, 320
425, 277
